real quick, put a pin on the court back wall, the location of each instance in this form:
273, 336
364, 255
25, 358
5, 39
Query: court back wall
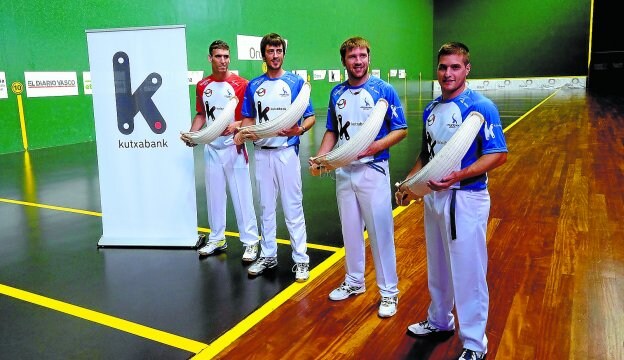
529, 38
49, 35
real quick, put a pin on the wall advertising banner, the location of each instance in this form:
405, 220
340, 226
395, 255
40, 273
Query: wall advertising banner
4, 93
195, 76
47, 83
319, 74
140, 104
249, 47
302, 73
86, 83
541, 83
334, 76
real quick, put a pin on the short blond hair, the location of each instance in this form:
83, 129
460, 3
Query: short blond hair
455, 48
352, 43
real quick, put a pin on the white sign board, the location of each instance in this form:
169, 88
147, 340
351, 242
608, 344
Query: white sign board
141, 103
86, 83
302, 73
319, 74
45, 83
249, 47
334, 76
195, 76
4, 93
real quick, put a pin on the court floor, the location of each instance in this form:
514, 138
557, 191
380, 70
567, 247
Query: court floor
63, 297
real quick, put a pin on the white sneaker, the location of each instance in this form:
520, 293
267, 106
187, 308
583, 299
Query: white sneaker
261, 264
425, 328
345, 290
468, 354
251, 253
302, 272
212, 246
388, 306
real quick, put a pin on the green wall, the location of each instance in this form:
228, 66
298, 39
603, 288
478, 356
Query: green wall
49, 35
507, 38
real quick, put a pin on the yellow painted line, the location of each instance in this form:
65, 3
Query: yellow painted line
51, 207
399, 209
323, 247
254, 318
528, 112
20, 108
106, 320
281, 241
94, 213
30, 192
591, 27
312, 246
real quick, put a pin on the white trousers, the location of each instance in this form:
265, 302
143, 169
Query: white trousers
457, 267
227, 166
278, 172
364, 200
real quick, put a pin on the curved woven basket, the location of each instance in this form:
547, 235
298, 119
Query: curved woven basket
212, 131
285, 120
347, 152
448, 158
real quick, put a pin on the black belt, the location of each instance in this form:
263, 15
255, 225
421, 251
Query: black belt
279, 147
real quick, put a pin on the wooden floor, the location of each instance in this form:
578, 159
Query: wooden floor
556, 257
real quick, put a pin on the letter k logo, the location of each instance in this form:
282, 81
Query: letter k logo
129, 104
262, 113
489, 131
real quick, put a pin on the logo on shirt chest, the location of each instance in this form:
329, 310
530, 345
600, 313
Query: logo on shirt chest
431, 119
367, 104
343, 128
210, 111
454, 123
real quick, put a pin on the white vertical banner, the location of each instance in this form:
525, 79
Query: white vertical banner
141, 103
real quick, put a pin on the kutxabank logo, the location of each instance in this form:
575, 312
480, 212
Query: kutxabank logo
129, 104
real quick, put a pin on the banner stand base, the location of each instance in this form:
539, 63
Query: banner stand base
129, 244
